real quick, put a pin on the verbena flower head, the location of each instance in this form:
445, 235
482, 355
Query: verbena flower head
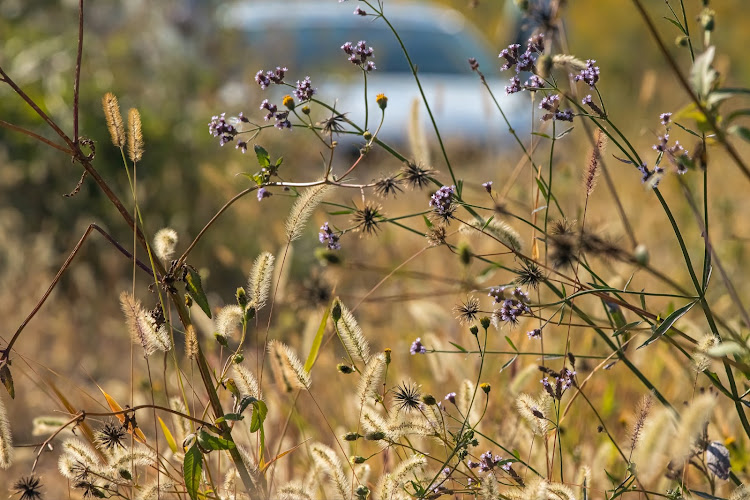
442, 202
265, 79
359, 54
487, 186
515, 86
665, 118
510, 55
589, 74
263, 193
219, 127
327, 236
511, 308
534, 82
451, 396
417, 347
473, 64
536, 333
589, 101
304, 90
359, 12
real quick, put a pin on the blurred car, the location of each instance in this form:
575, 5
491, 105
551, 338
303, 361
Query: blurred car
307, 38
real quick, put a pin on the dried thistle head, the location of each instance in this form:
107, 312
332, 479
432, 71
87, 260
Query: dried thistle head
407, 396
110, 436
367, 219
388, 186
28, 487
416, 175
529, 275
468, 311
436, 235
333, 124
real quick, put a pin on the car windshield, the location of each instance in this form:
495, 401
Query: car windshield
312, 49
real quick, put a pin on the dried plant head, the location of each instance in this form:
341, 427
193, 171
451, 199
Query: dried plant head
489, 489
464, 401
641, 414
692, 425
568, 63
407, 396
416, 175
227, 320
326, 461
135, 136
351, 335
390, 484
6, 440
287, 368
191, 342
742, 492
165, 241
78, 458
496, 229
303, 209
259, 282
367, 219
389, 185
114, 119
371, 379
656, 437
593, 166
246, 381
701, 359
142, 326
436, 235
536, 411
529, 275
467, 312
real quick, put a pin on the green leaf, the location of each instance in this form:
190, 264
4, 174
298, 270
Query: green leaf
564, 133
7, 380
192, 469
541, 135
740, 131
168, 436
510, 342
229, 416
317, 341
458, 347
736, 114
195, 289
262, 155
427, 221
259, 415
667, 323
679, 26
508, 363
625, 328
279, 161
341, 212
211, 442
244, 403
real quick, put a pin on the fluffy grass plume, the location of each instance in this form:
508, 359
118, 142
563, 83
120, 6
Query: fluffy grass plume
691, 425
372, 376
417, 136
326, 460
155, 489
742, 492
227, 320
246, 381
294, 491
642, 411
497, 229
259, 282
489, 489
141, 326
656, 436
182, 424
403, 424
44, 426
390, 484
535, 411
165, 241
464, 401
594, 163
371, 420
139, 456
6, 440
114, 119
351, 335
135, 136
303, 209
191, 342
287, 368
701, 360
77, 454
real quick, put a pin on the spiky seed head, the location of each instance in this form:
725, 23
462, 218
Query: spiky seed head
351, 335
303, 209
259, 282
227, 320
165, 241
114, 119
135, 136
288, 369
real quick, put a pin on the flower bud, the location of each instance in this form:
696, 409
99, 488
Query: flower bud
375, 436
474, 330
241, 297
387, 352
305, 110
336, 312
486, 388
357, 459
350, 436
429, 399
485, 322
367, 135
382, 101
221, 339
344, 368
288, 102
238, 358
641, 255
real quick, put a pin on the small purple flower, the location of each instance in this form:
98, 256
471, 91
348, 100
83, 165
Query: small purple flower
276, 76
219, 127
525, 62
589, 101
534, 83
262, 80
359, 12
241, 145
417, 347
550, 103
327, 236
515, 86
263, 193
447, 471
451, 396
487, 186
536, 44
271, 108
565, 116
665, 118
442, 201
511, 308
473, 64
304, 90
536, 333
241, 117
510, 55
590, 74
359, 54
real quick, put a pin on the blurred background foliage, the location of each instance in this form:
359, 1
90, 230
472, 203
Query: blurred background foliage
169, 59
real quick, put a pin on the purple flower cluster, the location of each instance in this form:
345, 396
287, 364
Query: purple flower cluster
562, 381
589, 101
488, 462
551, 103
359, 12
589, 74
451, 396
417, 347
282, 117
359, 54
219, 127
327, 236
522, 61
442, 201
269, 77
263, 193
512, 307
536, 333
473, 64
304, 90
676, 154
487, 186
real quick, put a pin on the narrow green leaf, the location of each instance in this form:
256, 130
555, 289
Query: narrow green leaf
510, 342
625, 328
210, 442
262, 155
508, 363
458, 347
678, 25
736, 114
195, 289
168, 436
667, 323
341, 212
564, 133
192, 469
545, 136
691, 132
427, 221
317, 341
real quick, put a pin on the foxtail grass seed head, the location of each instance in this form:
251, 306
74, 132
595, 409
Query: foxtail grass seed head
303, 209
157, 489
742, 492
142, 326
246, 381
701, 359
287, 368
642, 411
351, 335
114, 119
594, 164
294, 491
227, 320
165, 241
656, 437
259, 283
135, 136
44, 426
326, 461
692, 422
390, 484
191, 342
495, 229
372, 377
534, 411
6, 440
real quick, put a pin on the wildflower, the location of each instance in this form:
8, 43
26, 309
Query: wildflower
473, 64
333, 124
534, 82
327, 236
407, 396
416, 175
451, 396
367, 219
219, 127
417, 347
487, 186
588, 101
565, 116
276, 76
359, 12
29, 487
529, 275
486, 388
111, 436
359, 54
442, 202
665, 118
288, 102
242, 146
515, 86
510, 55
487, 461
382, 101
590, 74
525, 62
263, 193
512, 307
536, 333
388, 186
536, 44
304, 90
467, 311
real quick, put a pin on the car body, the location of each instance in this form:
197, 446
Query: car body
307, 38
